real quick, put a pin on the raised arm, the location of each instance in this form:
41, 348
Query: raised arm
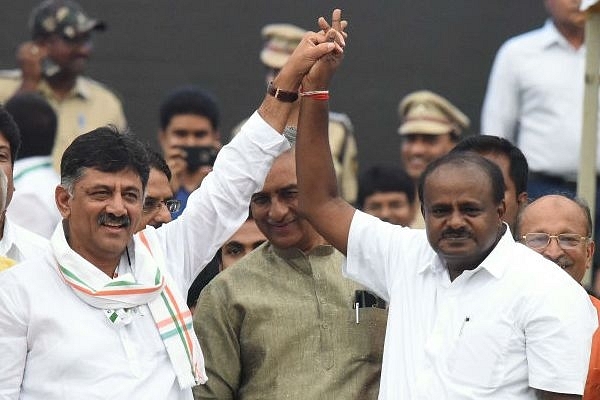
319, 198
219, 206
312, 47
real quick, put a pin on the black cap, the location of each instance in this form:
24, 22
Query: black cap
63, 17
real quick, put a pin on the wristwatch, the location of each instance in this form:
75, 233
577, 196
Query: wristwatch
281, 95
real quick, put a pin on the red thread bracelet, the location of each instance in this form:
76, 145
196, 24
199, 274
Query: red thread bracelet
316, 94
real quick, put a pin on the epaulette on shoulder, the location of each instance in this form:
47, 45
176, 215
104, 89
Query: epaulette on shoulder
10, 74
341, 118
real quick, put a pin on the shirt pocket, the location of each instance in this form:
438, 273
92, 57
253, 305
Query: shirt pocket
368, 335
478, 358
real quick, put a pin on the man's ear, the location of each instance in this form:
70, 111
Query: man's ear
502, 209
591, 247
62, 197
522, 200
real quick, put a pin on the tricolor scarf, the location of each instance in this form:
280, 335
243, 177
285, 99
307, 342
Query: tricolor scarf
149, 284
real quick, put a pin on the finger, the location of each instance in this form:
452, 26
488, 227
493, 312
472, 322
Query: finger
336, 19
344, 25
336, 37
324, 48
323, 25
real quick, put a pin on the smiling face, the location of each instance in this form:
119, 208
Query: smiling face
462, 220
102, 214
555, 214
275, 208
418, 150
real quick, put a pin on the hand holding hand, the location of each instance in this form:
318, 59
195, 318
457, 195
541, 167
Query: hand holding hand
313, 47
320, 74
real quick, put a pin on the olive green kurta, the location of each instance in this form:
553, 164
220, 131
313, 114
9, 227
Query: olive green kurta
281, 325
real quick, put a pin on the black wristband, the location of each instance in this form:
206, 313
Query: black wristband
281, 95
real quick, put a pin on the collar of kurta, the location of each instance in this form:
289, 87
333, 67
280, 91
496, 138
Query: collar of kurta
494, 263
299, 259
552, 37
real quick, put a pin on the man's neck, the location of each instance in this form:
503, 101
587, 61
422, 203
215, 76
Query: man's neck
191, 181
61, 85
457, 267
573, 34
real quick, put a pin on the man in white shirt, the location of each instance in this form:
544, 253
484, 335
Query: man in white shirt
16, 242
103, 314
534, 98
33, 206
472, 315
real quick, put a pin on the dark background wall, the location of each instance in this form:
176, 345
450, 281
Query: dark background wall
394, 47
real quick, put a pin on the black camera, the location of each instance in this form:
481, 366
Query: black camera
199, 156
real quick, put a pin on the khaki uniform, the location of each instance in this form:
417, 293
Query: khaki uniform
89, 106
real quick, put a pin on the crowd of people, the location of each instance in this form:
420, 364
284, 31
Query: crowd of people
262, 265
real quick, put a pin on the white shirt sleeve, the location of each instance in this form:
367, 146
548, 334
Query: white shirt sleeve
13, 338
553, 323
380, 252
500, 109
220, 205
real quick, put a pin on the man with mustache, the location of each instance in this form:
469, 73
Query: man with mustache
560, 229
512, 163
472, 313
103, 313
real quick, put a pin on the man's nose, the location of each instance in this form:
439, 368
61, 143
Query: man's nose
553, 250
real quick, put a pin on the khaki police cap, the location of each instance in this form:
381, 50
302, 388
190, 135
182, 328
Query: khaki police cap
425, 112
280, 42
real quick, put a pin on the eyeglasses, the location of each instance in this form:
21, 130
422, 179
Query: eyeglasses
151, 204
566, 241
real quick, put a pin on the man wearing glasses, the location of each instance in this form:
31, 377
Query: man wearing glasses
560, 228
53, 63
158, 203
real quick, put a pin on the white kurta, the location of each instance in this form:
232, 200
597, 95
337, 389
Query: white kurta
514, 323
55, 346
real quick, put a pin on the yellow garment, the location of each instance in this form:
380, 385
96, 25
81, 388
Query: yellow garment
6, 263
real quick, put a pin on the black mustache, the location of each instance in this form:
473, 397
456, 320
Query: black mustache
455, 233
107, 218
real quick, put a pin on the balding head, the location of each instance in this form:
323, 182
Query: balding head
560, 215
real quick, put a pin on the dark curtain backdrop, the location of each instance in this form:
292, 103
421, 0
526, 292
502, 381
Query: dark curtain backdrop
395, 47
